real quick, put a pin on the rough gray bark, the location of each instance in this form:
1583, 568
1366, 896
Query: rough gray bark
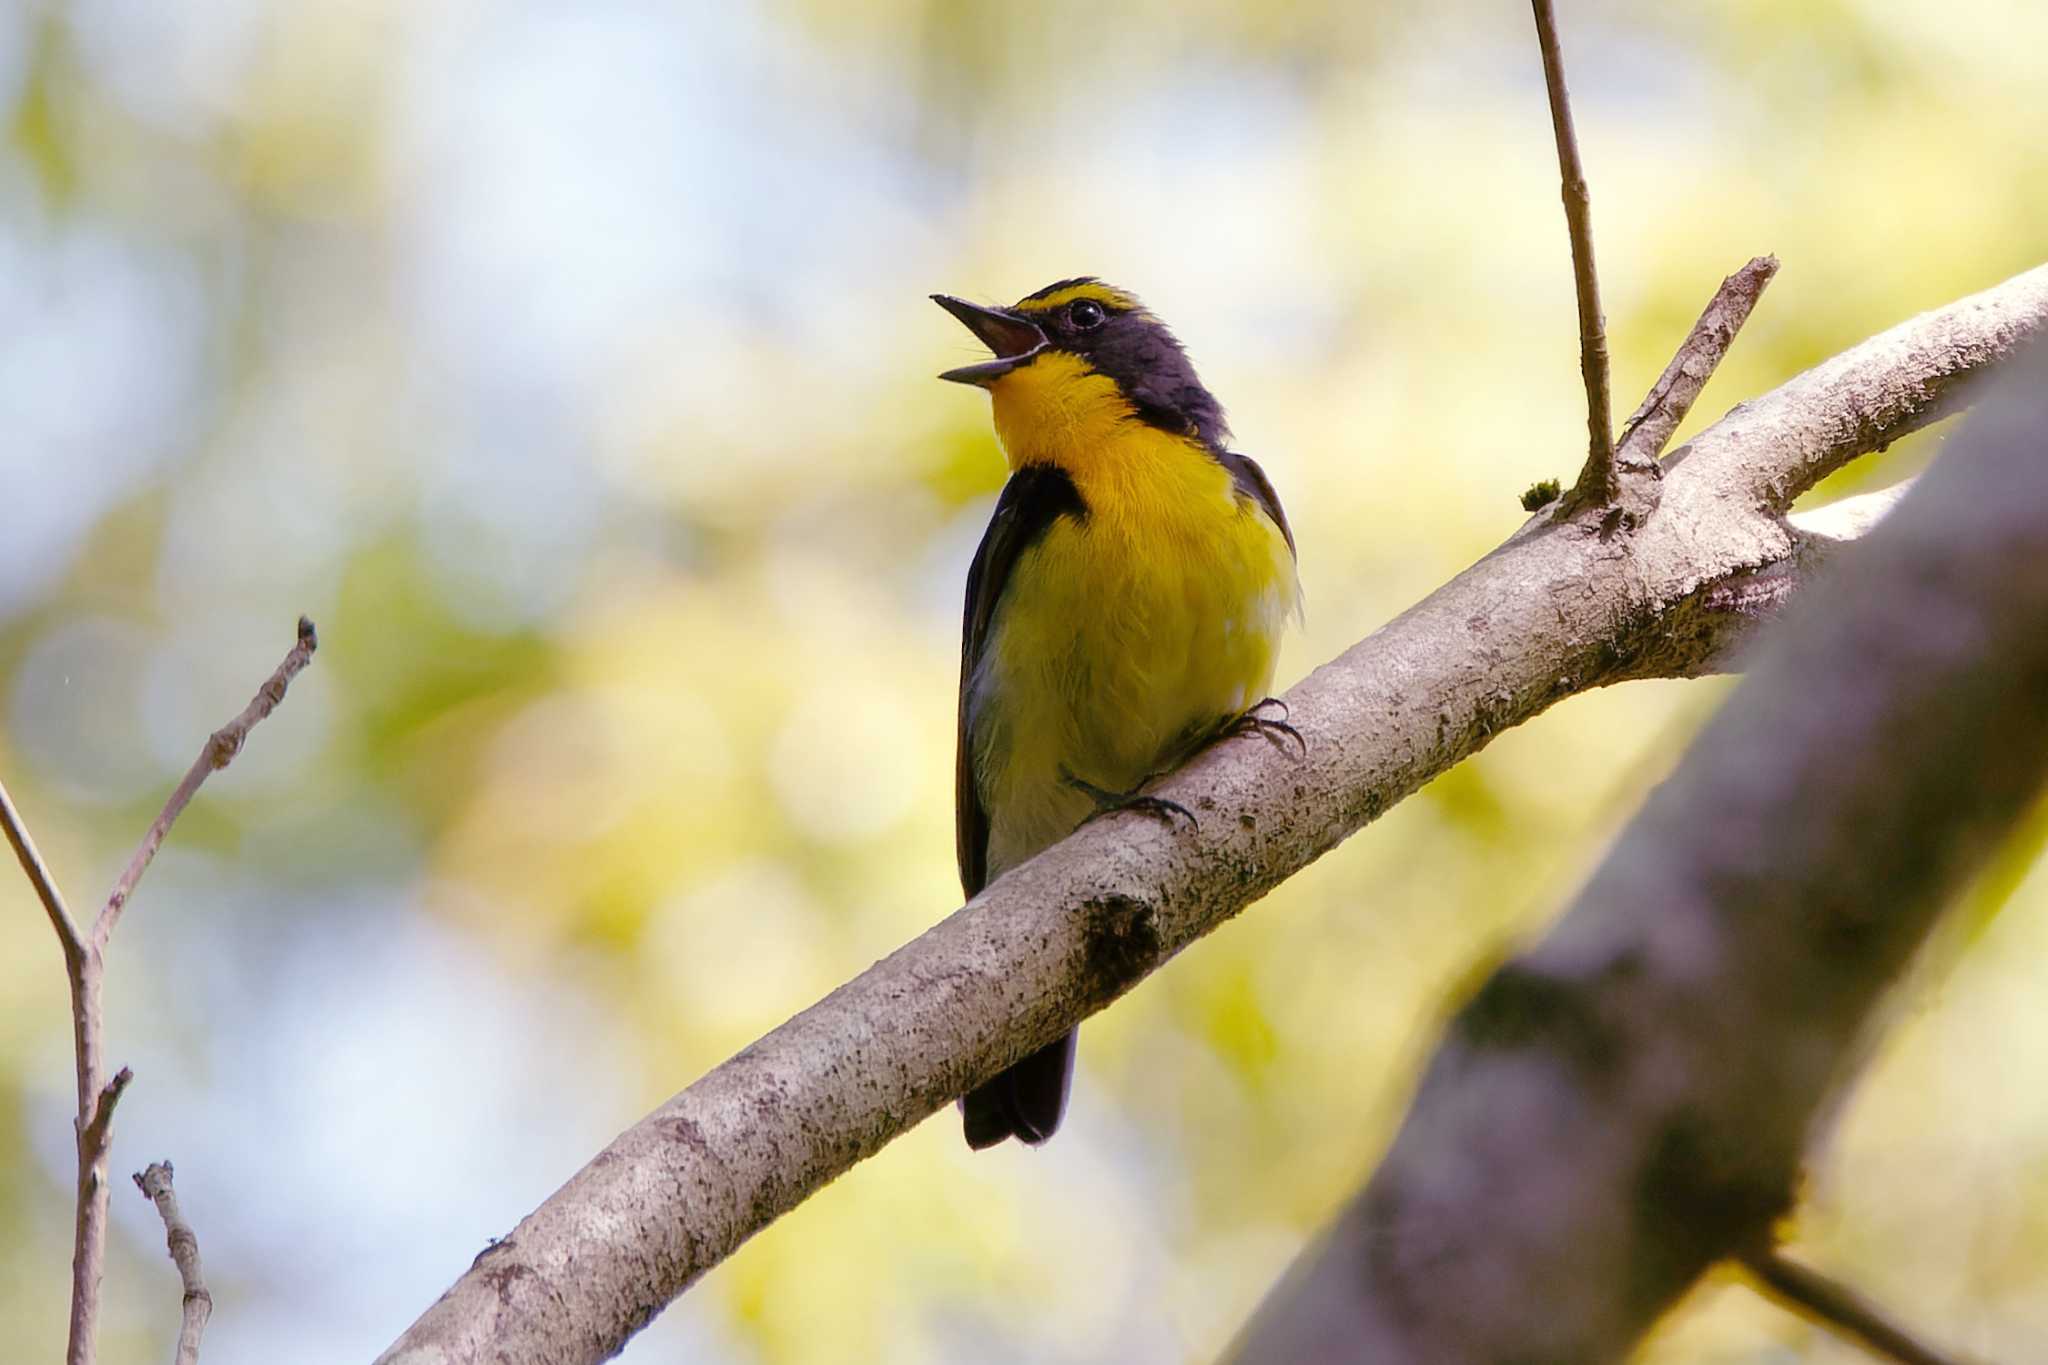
1710, 634
1558, 609
1630, 1100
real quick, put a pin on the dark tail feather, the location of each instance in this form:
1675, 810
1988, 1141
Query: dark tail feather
1024, 1102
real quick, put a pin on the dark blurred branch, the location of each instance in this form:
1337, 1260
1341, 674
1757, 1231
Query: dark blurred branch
154, 1181
1841, 1309
1630, 1100
1551, 613
84, 963
1599, 483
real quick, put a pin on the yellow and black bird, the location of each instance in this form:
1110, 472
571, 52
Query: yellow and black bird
1123, 610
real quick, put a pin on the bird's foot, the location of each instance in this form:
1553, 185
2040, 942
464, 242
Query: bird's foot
1108, 802
1276, 730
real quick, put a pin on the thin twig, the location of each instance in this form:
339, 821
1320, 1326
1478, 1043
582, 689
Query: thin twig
220, 750
155, 1183
84, 963
1840, 1309
1644, 435
38, 874
1598, 482
1664, 408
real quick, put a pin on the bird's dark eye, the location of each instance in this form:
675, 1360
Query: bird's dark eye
1085, 315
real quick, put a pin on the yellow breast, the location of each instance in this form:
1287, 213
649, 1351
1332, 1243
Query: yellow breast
1124, 638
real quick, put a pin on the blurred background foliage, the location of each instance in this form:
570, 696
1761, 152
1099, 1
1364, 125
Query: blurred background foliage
570, 364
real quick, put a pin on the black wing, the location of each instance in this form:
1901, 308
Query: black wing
1035, 497
1252, 483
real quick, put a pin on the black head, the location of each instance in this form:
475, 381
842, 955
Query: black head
1110, 330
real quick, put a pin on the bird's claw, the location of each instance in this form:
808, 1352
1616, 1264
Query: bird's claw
1110, 803
1158, 807
1276, 732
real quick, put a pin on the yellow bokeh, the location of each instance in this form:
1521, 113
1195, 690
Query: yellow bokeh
572, 367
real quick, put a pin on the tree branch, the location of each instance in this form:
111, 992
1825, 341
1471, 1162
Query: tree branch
1554, 611
1599, 482
1630, 1100
84, 962
154, 1181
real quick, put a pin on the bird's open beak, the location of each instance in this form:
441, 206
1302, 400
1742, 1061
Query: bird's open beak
1014, 339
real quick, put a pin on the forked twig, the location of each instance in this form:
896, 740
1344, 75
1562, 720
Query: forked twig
84, 966
1664, 409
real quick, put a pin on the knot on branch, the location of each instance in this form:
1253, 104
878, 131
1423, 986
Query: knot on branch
92, 1134
1614, 497
1703, 1194
1120, 943
1520, 1007
226, 742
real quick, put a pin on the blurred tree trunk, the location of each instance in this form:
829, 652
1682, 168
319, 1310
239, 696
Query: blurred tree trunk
1630, 1100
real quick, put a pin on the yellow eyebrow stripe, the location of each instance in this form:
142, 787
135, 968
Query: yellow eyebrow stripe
1103, 294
